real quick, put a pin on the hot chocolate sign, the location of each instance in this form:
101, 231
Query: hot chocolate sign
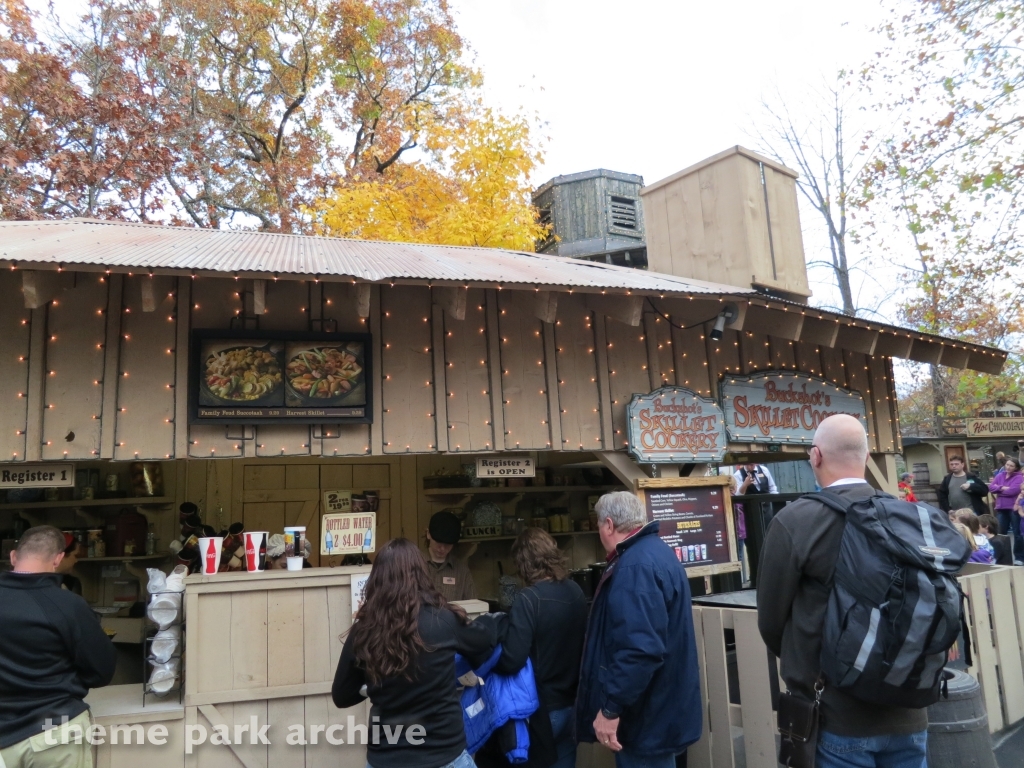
775, 407
674, 425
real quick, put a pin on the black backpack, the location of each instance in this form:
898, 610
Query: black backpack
895, 608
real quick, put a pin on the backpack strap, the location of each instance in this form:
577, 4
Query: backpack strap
831, 500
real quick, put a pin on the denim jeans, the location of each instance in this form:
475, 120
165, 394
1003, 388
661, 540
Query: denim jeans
625, 759
909, 751
1007, 521
565, 745
462, 761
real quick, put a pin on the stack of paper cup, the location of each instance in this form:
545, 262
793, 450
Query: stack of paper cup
209, 553
295, 546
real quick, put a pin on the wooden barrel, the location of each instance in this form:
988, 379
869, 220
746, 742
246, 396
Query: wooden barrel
922, 475
958, 734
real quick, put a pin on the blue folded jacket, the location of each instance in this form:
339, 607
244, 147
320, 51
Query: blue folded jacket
496, 700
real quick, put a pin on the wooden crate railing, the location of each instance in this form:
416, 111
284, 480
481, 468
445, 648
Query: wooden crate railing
735, 734
995, 614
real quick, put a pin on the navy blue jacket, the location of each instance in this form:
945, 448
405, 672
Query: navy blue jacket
640, 657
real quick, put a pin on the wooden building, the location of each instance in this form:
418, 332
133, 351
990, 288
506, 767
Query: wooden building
595, 215
470, 351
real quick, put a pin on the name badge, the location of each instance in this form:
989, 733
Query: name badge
448, 581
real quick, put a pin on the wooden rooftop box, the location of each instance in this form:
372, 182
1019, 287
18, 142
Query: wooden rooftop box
732, 218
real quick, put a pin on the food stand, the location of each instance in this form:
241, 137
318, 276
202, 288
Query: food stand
215, 356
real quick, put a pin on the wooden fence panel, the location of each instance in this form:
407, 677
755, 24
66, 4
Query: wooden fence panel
577, 375
408, 370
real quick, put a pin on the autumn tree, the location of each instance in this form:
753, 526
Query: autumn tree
828, 153
470, 188
219, 112
948, 175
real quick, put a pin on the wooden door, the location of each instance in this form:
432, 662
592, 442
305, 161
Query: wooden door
290, 493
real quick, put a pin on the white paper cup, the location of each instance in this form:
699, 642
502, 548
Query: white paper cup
256, 551
295, 563
209, 554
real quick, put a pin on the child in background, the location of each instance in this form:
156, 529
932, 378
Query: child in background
983, 551
989, 527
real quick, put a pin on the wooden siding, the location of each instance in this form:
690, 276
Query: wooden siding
499, 379
719, 221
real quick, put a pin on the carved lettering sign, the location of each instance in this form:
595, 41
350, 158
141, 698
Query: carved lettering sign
674, 425
775, 407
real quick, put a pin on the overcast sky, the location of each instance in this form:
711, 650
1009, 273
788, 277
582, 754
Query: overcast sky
651, 86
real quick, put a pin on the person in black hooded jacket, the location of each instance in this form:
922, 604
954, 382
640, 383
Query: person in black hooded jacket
52, 651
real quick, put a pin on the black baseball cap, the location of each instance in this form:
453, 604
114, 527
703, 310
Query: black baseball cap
445, 528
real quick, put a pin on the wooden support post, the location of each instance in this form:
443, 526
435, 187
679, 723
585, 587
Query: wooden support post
440, 381
453, 300
361, 293
111, 366
546, 307
627, 470
182, 313
625, 309
259, 297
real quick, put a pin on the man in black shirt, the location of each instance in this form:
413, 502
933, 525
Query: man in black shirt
52, 651
961, 489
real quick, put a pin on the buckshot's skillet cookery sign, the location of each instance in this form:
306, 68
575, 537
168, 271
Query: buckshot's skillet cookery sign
675, 425
246, 377
776, 407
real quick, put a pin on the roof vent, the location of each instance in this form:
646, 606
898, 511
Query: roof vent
622, 212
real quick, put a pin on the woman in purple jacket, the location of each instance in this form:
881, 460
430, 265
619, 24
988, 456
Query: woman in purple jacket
1005, 486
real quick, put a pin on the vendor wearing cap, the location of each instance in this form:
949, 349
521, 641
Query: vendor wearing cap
451, 577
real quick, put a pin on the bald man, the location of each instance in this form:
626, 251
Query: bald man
793, 584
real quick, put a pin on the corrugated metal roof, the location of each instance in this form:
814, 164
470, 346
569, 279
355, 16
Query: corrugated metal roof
149, 247
119, 245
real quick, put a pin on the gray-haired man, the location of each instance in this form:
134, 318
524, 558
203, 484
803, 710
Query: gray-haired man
639, 692
52, 651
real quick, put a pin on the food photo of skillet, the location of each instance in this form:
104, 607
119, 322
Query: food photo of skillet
326, 375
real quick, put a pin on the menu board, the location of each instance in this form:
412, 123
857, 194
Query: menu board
257, 377
694, 516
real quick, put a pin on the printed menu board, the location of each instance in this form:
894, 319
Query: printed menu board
252, 376
695, 520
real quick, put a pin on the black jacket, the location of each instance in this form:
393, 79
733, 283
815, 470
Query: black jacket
429, 699
640, 656
52, 651
978, 492
794, 580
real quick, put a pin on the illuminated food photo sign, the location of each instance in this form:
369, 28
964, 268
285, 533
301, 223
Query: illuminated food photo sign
783, 407
254, 376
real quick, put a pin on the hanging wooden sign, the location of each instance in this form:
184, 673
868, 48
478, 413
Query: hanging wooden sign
695, 518
773, 407
675, 425
348, 533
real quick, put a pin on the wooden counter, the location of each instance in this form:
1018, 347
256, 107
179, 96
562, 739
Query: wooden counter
261, 650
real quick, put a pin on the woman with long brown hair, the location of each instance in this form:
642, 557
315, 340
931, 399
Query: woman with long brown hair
402, 647
546, 624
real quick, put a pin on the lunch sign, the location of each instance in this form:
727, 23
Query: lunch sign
675, 425
246, 377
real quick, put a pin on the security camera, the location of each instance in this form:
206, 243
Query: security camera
727, 315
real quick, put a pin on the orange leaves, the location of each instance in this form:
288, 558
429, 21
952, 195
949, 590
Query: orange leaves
474, 191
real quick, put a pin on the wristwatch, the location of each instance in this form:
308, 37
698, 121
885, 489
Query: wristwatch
608, 714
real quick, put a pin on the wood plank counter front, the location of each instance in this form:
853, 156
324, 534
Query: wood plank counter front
262, 650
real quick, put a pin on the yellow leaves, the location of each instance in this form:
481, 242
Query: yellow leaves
472, 189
